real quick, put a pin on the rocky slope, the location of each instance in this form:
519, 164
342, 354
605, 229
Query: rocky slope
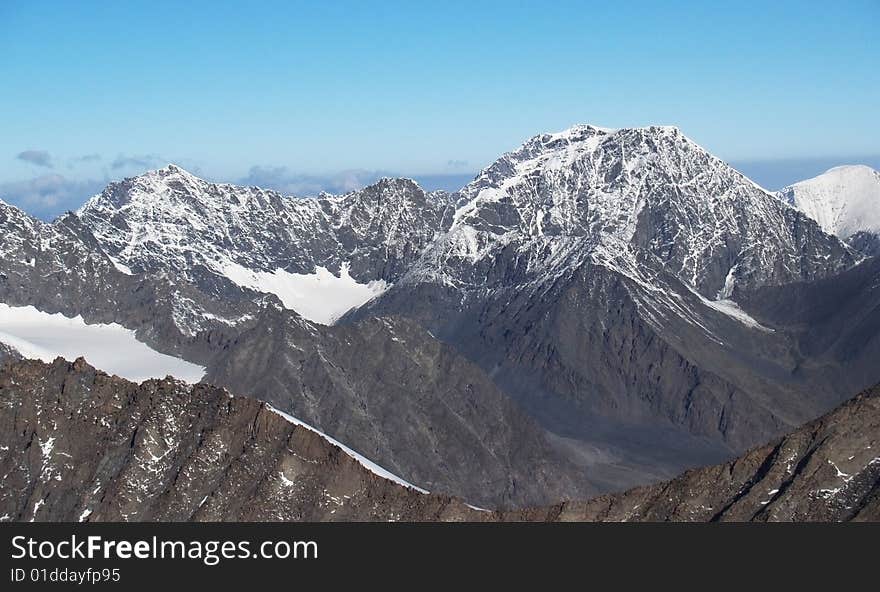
833, 327
60, 267
595, 274
827, 470
79, 445
845, 202
452, 430
76, 444
393, 392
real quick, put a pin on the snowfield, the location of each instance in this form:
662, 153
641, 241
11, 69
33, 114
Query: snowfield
111, 348
320, 297
843, 200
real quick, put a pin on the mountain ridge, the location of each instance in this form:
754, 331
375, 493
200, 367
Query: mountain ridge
83, 446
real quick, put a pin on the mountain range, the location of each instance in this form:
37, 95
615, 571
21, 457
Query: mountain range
597, 310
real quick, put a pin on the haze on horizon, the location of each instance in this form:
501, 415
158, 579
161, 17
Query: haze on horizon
303, 98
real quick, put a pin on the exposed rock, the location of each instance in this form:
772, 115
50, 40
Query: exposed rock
79, 445
393, 392
827, 470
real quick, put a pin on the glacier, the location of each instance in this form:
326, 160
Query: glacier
109, 347
320, 297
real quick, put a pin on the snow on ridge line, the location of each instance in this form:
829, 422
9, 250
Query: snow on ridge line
364, 461
733, 310
321, 297
109, 347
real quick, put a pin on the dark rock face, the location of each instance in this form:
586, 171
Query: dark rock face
628, 386
833, 327
827, 470
76, 444
79, 445
389, 390
866, 243
8, 353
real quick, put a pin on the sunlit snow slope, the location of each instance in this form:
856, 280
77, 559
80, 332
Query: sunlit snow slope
843, 200
321, 297
112, 348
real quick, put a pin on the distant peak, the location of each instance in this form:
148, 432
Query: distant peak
851, 168
843, 200
172, 169
581, 129
841, 172
394, 184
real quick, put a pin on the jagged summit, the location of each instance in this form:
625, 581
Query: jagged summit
219, 236
557, 199
615, 153
173, 180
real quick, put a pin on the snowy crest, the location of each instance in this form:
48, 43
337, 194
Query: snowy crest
844, 200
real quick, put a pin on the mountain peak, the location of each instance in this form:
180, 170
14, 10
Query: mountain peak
626, 151
844, 200
170, 170
608, 194
394, 183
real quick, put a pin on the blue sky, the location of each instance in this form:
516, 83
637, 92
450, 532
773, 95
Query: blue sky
320, 93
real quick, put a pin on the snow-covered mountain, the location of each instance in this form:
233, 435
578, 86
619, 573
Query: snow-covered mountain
844, 201
586, 193
606, 195
320, 256
643, 210
598, 274
61, 267
387, 388
592, 288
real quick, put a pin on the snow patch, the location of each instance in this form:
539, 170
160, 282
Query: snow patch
46, 448
367, 463
732, 309
110, 347
120, 266
320, 297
